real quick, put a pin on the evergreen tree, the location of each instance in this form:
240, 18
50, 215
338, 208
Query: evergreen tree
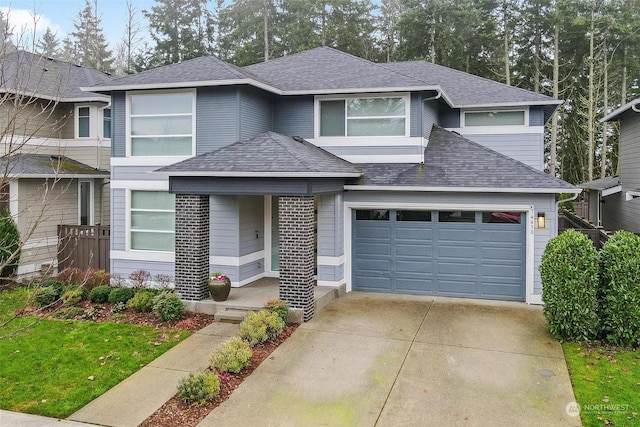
90, 43
9, 245
181, 29
48, 44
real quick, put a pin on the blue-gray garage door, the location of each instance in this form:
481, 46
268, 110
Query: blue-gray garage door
450, 253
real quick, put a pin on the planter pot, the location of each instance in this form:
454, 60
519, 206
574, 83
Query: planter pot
219, 289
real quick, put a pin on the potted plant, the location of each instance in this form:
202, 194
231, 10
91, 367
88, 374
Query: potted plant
219, 286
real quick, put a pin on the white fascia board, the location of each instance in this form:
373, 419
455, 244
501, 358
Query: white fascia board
182, 85
615, 113
96, 98
463, 189
512, 104
613, 190
259, 174
59, 176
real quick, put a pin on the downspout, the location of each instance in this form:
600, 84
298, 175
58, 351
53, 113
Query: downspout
423, 147
569, 199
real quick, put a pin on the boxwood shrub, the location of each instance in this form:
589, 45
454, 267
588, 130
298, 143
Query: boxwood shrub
619, 291
569, 272
168, 306
142, 301
120, 295
99, 294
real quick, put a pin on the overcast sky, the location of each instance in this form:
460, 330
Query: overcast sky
60, 14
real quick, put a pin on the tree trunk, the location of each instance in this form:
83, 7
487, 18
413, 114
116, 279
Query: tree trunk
507, 68
590, 127
553, 162
265, 17
603, 165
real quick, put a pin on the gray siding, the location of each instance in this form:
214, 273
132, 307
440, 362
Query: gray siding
217, 118
137, 173
330, 235
617, 213
125, 267
118, 218
331, 273
224, 223
251, 224
256, 114
429, 117
449, 118
541, 203
251, 269
294, 116
118, 120
388, 150
415, 127
536, 116
524, 147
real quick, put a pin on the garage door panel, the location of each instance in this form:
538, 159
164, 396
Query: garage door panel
479, 260
415, 285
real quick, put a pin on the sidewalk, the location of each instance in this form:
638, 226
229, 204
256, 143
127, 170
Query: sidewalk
136, 398
17, 419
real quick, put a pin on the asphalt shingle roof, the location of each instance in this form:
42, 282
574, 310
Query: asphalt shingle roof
30, 74
44, 165
269, 153
465, 89
601, 184
452, 161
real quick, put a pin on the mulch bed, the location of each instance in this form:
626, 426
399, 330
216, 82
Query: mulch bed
176, 413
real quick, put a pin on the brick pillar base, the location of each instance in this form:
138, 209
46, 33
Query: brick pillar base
296, 252
192, 246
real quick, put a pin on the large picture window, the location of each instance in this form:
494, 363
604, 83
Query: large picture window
383, 116
152, 221
161, 124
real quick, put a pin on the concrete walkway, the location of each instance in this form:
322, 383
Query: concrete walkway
136, 398
389, 360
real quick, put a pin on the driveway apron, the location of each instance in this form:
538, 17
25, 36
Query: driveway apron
391, 360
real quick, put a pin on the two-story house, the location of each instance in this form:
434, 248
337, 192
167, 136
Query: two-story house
324, 168
614, 201
55, 147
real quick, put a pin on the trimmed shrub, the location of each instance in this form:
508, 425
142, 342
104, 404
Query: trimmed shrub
120, 295
619, 291
53, 283
73, 294
9, 245
261, 326
569, 271
45, 296
280, 307
231, 356
168, 306
142, 301
199, 387
100, 294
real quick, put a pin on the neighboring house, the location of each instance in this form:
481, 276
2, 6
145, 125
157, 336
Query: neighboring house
402, 177
614, 201
55, 147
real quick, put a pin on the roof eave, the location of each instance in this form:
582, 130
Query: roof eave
463, 189
182, 85
512, 104
219, 174
615, 114
96, 98
58, 176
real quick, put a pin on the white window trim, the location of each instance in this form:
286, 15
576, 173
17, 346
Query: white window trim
530, 297
76, 124
91, 200
525, 110
163, 254
407, 103
159, 92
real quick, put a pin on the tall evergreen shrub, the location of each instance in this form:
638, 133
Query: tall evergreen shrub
9, 245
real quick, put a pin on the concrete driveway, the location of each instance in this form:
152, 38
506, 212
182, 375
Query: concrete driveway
390, 360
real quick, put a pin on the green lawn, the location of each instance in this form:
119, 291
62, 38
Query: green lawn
55, 367
606, 382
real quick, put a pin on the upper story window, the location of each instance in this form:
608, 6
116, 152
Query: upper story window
494, 118
106, 123
370, 116
161, 124
83, 121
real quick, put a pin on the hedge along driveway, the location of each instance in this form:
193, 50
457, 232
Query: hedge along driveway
53, 367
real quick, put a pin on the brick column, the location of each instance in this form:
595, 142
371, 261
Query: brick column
296, 253
192, 246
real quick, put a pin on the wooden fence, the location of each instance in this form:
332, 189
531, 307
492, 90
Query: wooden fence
568, 220
83, 246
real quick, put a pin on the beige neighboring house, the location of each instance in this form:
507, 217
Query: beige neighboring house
55, 142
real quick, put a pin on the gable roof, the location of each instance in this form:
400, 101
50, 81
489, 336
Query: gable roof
454, 162
269, 154
325, 70
619, 112
28, 74
47, 166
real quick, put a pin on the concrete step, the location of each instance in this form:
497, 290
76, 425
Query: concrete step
229, 317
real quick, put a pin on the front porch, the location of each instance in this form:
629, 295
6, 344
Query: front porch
253, 297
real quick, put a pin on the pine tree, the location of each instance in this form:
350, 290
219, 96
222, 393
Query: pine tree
9, 245
48, 44
91, 45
